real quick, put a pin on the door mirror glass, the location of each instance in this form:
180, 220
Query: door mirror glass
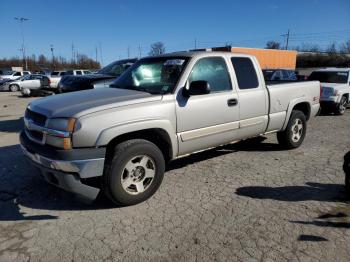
197, 88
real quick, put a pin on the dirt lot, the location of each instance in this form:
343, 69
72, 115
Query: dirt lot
249, 201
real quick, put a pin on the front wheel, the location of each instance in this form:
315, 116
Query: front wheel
14, 88
134, 173
340, 110
295, 132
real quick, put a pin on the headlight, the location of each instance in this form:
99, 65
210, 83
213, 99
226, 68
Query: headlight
62, 124
59, 132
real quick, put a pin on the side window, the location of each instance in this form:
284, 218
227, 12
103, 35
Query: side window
245, 72
78, 72
214, 71
17, 74
285, 75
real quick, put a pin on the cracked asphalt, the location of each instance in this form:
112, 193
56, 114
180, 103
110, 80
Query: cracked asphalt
249, 201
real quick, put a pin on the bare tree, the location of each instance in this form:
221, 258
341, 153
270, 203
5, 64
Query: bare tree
332, 49
157, 48
273, 45
345, 48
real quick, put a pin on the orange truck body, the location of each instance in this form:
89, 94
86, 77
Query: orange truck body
268, 58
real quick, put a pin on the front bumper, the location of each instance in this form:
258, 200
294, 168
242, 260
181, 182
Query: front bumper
67, 169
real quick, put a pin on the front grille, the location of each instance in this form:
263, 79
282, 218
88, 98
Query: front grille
37, 118
36, 134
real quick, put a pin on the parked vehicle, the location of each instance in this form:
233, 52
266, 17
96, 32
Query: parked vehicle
29, 84
55, 78
335, 84
4, 84
119, 139
36, 85
346, 168
279, 75
103, 78
14, 75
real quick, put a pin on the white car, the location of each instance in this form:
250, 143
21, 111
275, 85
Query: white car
55, 78
29, 84
15, 75
335, 86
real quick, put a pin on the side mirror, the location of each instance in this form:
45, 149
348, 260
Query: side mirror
197, 88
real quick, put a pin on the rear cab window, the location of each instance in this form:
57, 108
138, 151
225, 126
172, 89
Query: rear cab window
245, 73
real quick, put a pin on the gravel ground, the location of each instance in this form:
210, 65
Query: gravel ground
249, 201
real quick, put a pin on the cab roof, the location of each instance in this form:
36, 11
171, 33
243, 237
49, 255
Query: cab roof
199, 53
333, 69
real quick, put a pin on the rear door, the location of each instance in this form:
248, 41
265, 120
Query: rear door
252, 97
207, 120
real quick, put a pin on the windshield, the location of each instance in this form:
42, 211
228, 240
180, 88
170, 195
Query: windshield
26, 77
338, 77
116, 68
153, 75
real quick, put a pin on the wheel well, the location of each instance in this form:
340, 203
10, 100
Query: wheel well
347, 97
157, 136
303, 107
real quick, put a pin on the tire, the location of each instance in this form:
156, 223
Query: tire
295, 131
134, 173
14, 88
341, 107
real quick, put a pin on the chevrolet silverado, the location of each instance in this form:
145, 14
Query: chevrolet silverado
118, 140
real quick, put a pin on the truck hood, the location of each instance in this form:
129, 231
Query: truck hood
89, 101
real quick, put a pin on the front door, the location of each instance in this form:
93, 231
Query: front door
209, 120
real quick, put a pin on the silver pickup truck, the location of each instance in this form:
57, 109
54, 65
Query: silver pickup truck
118, 140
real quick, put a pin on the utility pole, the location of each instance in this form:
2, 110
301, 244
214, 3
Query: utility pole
53, 56
100, 45
73, 58
195, 43
140, 51
21, 20
96, 54
287, 38
128, 51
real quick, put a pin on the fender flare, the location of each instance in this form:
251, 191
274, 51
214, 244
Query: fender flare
291, 106
110, 133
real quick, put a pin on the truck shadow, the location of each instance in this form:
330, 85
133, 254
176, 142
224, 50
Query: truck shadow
22, 186
309, 192
333, 193
253, 144
11, 126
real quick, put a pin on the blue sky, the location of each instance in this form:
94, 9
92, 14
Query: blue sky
117, 25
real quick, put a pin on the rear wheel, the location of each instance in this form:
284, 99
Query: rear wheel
340, 110
134, 173
295, 132
14, 88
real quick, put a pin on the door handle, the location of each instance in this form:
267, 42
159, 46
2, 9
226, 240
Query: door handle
232, 102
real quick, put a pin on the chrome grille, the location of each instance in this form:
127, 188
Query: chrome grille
37, 118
